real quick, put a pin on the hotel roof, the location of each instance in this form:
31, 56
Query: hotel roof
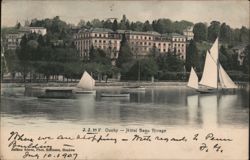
97, 30
152, 33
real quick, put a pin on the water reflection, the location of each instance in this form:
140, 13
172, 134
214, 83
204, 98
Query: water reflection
194, 110
169, 106
208, 104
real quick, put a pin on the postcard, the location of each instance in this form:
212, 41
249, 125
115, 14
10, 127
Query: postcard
101, 80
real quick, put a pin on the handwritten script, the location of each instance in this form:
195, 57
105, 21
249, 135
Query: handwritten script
46, 147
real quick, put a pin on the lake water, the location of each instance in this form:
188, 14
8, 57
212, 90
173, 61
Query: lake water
165, 106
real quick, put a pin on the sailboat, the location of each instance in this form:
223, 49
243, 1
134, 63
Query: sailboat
85, 85
214, 77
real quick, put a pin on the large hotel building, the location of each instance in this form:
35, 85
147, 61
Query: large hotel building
141, 43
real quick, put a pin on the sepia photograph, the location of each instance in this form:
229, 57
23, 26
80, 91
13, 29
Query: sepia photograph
124, 80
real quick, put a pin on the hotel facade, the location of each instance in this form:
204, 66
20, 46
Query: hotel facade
141, 43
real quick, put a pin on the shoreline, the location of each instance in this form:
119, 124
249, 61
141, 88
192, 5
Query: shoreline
146, 84
97, 84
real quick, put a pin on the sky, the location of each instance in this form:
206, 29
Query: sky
235, 13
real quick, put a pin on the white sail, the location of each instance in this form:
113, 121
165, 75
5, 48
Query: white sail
193, 79
210, 75
214, 51
86, 82
225, 80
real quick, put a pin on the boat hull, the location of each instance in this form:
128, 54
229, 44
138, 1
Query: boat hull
115, 95
220, 91
62, 90
56, 97
206, 91
85, 92
58, 94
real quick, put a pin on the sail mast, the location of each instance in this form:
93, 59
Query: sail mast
217, 62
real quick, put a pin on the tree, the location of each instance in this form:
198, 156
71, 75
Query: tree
92, 53
115, 25
146, 67
192, 57
124, 23
107, 24
40, 40
172, 63
138, 26
225, 58
179, 26
225, 33
89, 25
18, 25
246, 60
11, 61
236, 35
235, 63
213, 30
26, 23
200, 32
163, 26
81, 23
244, 35
154, 52
96, 23
125, 53
147, 27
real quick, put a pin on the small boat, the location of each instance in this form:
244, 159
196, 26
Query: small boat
85, 85
134, 88
58, 94
84, 92
214, 77
115, 95
63, 90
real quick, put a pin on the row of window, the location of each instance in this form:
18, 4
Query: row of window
13, 43
133, 43
141, 43
179, 39
154, 44
160, 50
14, 40
101, 47
141, 37
101, 35
96, 35
104, 41
179, 45
105, 47
82, 36
97, 41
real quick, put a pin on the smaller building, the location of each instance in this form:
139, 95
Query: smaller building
189, 33
38, 30
14, 38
